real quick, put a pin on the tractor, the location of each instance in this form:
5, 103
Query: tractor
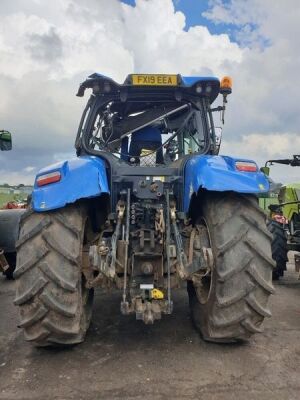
9, 224
146, 206
284, 220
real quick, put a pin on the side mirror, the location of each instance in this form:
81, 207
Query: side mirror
265, 170
218, 134
5, 140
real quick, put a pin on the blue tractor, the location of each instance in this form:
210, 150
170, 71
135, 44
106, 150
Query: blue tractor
146, 206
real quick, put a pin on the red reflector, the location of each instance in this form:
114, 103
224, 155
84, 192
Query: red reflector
52, 177
245, 166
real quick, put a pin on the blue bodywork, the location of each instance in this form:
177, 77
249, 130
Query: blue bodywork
82, 177
86, 177
218, 173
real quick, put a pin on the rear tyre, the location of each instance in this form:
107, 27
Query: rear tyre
230, 304
279, 248
54, 305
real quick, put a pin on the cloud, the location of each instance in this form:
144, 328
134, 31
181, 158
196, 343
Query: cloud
29, 169
256, 143
261, 148
47, 49
263, 116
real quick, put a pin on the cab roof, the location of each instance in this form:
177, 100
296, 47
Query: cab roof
150, 85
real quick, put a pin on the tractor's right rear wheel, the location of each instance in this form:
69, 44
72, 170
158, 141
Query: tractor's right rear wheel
229, 303
54, 304
279, 248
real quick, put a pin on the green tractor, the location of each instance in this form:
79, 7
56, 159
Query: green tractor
9, 224
284, 222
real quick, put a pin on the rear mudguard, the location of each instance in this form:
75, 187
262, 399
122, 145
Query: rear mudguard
218, 173
9, 229
81, 177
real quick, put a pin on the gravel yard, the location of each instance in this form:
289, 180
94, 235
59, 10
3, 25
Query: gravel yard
125, 359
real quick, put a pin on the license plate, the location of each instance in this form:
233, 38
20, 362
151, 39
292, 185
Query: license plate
154, 80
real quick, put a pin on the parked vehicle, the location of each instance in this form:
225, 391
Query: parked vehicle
12, 205
9, 224
147, 204
284, 222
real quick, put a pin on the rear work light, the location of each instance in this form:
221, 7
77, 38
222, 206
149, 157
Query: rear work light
246, 166
45, 179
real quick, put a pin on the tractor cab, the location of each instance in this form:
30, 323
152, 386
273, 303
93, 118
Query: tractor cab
150, 119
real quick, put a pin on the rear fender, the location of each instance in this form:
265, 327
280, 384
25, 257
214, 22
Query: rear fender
81, 177
218, 173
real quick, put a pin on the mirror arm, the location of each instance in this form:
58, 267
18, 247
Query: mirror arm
219, 108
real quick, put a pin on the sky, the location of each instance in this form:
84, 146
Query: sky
48, 48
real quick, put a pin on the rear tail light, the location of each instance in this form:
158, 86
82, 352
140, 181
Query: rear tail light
45, 179
246, 166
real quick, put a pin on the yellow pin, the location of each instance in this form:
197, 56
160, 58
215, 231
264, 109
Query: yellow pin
157, 294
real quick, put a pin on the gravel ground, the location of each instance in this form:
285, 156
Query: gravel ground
124, 359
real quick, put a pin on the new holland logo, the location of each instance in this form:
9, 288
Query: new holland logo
191, 190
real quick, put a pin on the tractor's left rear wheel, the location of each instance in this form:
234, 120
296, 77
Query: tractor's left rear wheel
54, 304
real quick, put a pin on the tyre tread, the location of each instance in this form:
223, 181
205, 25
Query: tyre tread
32, 291
33, 232
48, 277
279, 247
241, 242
